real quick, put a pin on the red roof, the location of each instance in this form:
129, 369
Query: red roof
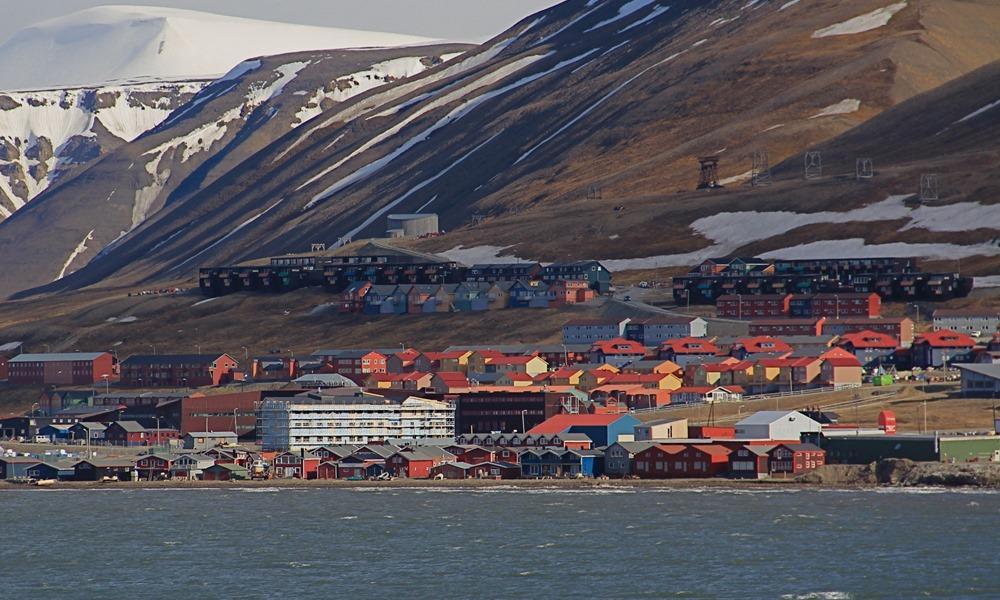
842, 361
713, 449
519, 376
945, 339
690, 345
453, 378
763, 343
566, 372
560, 423
619, 346
869, 339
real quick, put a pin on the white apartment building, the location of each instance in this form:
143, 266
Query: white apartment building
314, 419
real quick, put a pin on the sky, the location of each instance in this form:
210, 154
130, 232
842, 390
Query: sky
455, 20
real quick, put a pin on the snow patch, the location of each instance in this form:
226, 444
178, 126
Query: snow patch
80, 249
976, 113
844, 107
736, 178
987, 281
624, 10
857, 248
349, 86
788, 4
657, 11
860, 24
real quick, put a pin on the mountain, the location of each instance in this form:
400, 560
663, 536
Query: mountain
112, 73
575, 134
116, 44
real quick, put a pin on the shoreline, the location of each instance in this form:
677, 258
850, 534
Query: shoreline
885, 474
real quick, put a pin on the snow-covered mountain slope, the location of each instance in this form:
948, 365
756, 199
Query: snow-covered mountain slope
229, 120
114, 44
573, 134
111, 73
49, 135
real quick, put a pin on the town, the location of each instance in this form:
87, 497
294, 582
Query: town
608, 401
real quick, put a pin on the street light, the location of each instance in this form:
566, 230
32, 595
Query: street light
524, 428
107, 383
153, 346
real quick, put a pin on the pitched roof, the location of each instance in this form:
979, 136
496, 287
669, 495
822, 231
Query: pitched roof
690, 345
945, 338
171, 359
869, 339
618, 346
560, 423
57, 357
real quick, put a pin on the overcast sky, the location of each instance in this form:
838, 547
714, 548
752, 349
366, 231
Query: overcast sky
458, 20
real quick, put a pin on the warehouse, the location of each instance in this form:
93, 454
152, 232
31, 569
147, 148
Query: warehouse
412, 225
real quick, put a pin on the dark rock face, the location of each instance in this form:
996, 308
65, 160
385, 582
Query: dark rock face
41, 150
81, 149
8, 103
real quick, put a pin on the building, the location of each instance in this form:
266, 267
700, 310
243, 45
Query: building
224, 472
509, 410
594, 273
871, 348
973, 322
980, 380
588, 331
356, 364
653, 331
787, 326
417, 462
835, 306
841, 372
794, 459
661, 429
707, 393
314, 419
412, 225
482, 470
178, 370
619, 458
617, 352
492, 273
553, 462
776, 425
940, 348
234, 412
686, 351
601, 429
67, 368
203, 440
899, 327
662, 461
8, 351
96, 469
133, 433
753, 306
749, 461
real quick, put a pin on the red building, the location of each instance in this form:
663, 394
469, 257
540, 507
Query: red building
273, 368
153, 466
416, 463
235, 412
835, 306
133, 433
792, 459
68, 368
471, 454
732, 306
570, 292
655, 462
356, 364
787, 326
178, 370
616, 351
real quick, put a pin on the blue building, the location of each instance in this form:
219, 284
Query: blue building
562, 463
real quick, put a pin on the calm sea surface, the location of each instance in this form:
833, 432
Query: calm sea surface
498, 543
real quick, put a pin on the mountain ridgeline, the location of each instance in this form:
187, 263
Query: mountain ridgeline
537, 133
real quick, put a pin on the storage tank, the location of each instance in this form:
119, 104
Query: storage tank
413, 225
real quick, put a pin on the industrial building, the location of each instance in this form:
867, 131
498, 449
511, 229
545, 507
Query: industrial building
412, 225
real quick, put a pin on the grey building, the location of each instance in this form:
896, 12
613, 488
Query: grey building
654, 331
588, 331
977, 323
981, 380
412, 225
203, 440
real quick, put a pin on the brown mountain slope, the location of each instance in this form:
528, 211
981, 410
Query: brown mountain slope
230, 120
621, 96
